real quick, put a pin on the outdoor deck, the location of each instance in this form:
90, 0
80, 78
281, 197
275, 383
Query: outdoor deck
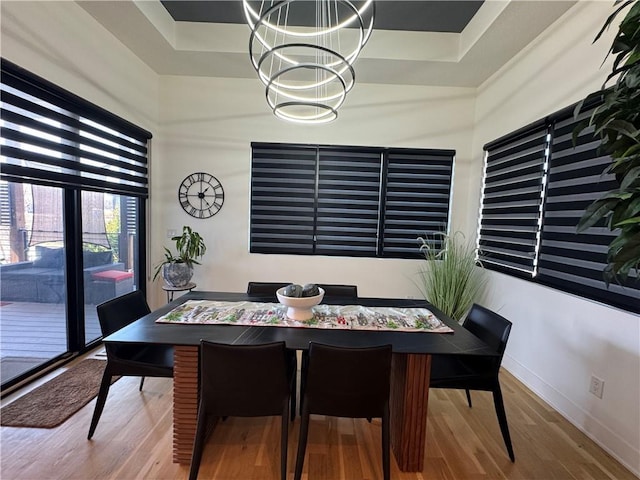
33, 333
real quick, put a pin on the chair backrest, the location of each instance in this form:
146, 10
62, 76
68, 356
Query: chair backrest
265, 288
121, 311
331, 290
243, 380
348, 382
489, 327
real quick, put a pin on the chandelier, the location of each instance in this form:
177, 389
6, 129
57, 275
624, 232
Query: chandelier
307, 66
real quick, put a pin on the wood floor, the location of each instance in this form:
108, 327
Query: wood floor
133, 441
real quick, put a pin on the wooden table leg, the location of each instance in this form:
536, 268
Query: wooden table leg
185, 402
409, 399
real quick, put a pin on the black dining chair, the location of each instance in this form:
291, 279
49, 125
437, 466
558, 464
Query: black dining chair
334, 290
265, 288
346, 382
478, 373
269, 289
344, 292
243, 381
128, 360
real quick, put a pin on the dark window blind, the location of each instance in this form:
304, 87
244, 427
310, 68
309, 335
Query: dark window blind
53, 137
571, 261
347, 201
511, 200
283, 184
347, 213
418, 191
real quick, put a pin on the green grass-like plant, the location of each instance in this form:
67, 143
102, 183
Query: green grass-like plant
451, 279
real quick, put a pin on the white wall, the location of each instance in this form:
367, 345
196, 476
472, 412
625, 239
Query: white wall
62, 43
558, 341
208, 124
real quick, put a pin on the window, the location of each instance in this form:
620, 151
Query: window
537, 184
73, 185
347, 201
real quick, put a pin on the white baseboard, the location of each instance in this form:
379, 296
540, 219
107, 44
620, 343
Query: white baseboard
601, 434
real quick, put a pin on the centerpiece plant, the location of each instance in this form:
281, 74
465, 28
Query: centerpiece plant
177, 269
451, 278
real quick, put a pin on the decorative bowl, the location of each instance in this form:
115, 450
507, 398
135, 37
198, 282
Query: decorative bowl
299, 308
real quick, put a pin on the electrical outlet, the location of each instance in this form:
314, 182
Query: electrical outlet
596, 386
171, 233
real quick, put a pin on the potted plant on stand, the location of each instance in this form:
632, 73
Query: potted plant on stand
177, 269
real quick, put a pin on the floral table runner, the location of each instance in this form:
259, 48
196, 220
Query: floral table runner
346, 317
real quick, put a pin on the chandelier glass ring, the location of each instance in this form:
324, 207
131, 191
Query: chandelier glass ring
304, 51
250, 14
330, 115
269, 81
336, 99
318, 35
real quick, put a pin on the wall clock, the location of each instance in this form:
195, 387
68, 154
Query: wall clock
201, 195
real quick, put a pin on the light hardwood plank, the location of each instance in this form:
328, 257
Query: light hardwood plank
134, 440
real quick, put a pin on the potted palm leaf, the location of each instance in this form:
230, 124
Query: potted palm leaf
177, 269
617, 122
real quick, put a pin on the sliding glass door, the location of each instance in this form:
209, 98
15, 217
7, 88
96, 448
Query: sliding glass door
33, 300
109, 252
48, 292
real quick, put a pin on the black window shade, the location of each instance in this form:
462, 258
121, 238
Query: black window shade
347, 213
530, 210
511, 200
347, 201
50, 136
283, 184
571, 261
418, 192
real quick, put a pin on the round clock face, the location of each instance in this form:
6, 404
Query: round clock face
201, 195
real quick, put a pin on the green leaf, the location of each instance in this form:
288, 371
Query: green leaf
628, 221
611, 18
631, 176
622, 127
595, 212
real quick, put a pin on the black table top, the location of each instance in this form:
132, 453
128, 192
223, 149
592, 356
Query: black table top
146, 330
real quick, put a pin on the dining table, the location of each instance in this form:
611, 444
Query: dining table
411, 363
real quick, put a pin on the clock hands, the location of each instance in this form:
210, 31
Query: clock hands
201, 195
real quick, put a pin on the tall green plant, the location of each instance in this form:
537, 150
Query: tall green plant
451, 279
617, 122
